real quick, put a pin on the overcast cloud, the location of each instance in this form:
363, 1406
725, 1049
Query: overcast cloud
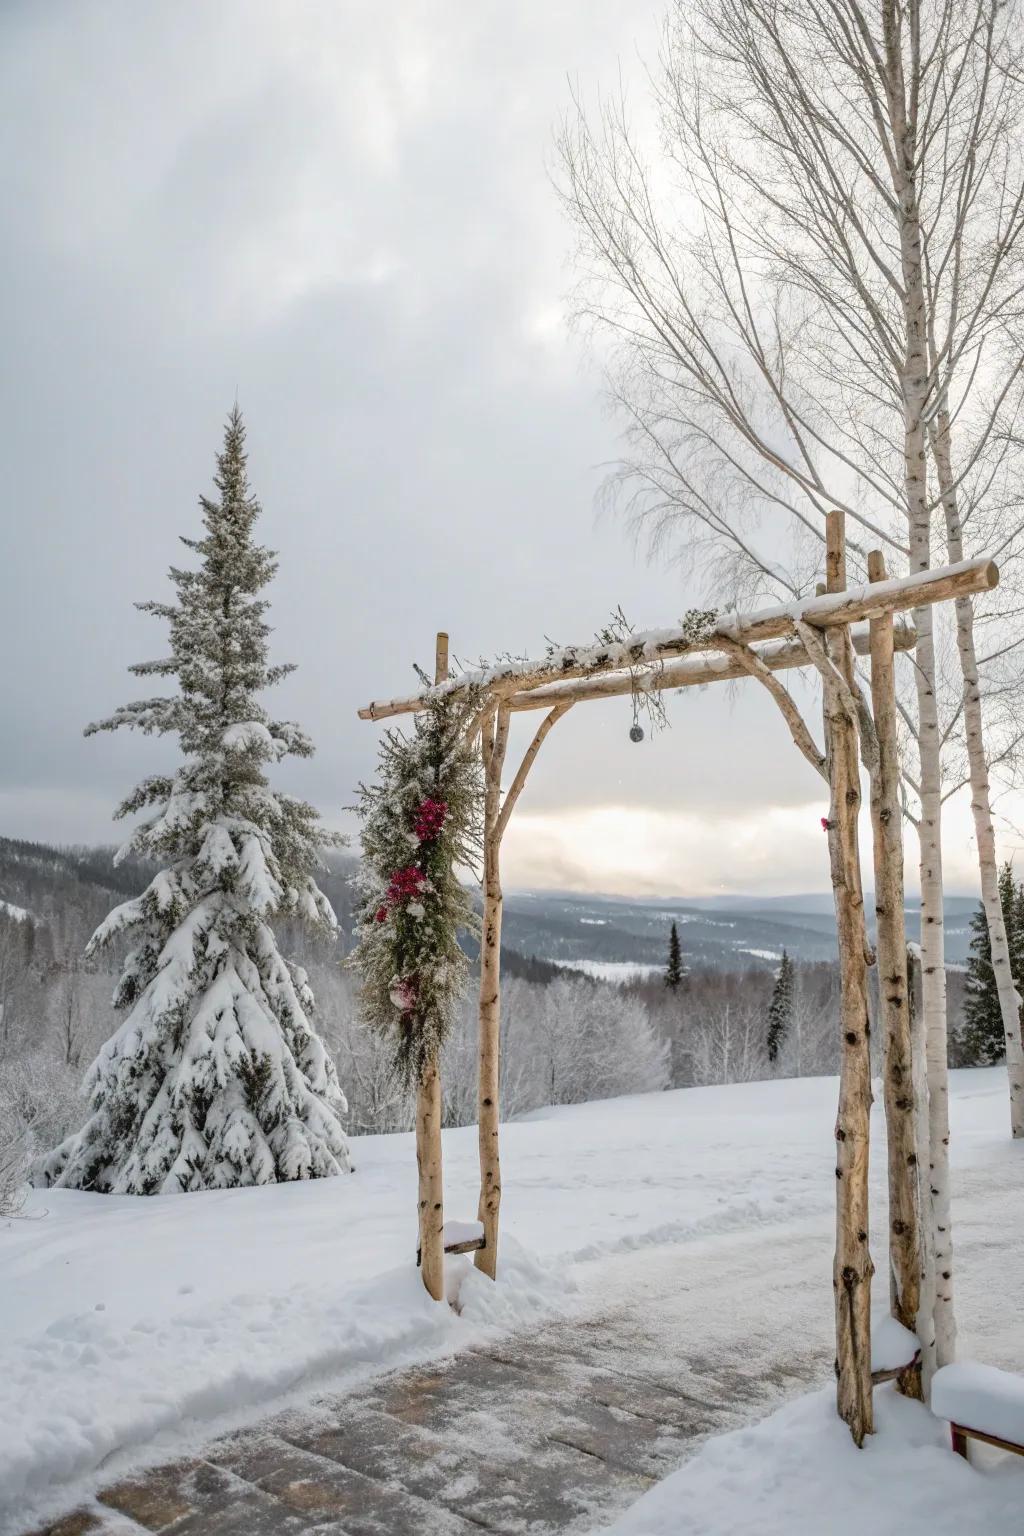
341, 213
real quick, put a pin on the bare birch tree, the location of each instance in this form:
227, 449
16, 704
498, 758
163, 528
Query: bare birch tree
813, 301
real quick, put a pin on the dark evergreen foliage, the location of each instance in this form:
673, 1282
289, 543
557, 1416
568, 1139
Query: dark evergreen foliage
780, 1009
982, 1041
674, 970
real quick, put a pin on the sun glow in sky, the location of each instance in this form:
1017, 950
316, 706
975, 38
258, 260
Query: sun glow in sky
636, 851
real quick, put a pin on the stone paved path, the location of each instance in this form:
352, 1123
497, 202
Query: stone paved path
555, 1431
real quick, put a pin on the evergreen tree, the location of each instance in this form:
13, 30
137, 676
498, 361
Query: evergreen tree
216, 1077
780, 1009
675, 970
982, 1036
1015, 937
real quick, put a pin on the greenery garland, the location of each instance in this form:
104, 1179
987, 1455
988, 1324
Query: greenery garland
421, 821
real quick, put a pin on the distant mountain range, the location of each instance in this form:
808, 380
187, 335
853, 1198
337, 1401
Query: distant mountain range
727, 932
594, 932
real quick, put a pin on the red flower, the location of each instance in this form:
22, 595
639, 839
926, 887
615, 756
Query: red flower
405, 884
430, 818
382, 913
825, 823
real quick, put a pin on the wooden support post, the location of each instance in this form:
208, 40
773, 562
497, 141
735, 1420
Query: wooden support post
894, 1004
493, 747
428, 1125
853, 1268
925, 1324
494, 743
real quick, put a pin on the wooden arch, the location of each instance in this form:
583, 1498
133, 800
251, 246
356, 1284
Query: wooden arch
817, 632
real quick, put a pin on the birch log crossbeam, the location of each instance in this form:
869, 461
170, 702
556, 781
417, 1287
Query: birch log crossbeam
517, 681
690, 672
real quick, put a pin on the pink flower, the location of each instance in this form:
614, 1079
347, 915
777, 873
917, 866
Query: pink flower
825, 823
403, 994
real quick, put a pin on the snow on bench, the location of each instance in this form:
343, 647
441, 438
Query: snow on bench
981, 1402
460, 1237
893, 1348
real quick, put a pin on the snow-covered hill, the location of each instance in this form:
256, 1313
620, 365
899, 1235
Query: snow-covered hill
128, 1318
725, 933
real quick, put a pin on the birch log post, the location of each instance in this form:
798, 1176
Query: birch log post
894, 1005
925, 1328
493, 746
428, 1125
853, 1268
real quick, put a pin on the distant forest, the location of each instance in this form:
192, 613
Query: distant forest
566, 1036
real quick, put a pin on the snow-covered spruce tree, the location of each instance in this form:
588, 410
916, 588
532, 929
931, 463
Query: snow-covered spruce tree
216, 1077
421, 822
674, 970
780, 1009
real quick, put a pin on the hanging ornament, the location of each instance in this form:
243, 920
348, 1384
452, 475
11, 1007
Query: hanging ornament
636, 730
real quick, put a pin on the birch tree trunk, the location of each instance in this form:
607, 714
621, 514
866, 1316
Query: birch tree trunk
900, 1109
981, 794
852, 1270
937, 1334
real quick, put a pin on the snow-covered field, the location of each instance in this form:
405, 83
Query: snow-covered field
126, 1319
618, 972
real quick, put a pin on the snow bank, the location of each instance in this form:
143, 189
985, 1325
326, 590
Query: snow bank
798, 1473
91, 1385
981, 1397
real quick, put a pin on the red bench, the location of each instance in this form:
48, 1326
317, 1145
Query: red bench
981, 1403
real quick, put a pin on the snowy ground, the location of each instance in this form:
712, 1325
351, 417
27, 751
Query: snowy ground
798, 1474
618, 972
132, 1323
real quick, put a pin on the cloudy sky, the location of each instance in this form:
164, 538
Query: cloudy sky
340, 213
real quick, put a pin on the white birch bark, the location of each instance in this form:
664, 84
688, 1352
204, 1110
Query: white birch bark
939, 1333
981, 794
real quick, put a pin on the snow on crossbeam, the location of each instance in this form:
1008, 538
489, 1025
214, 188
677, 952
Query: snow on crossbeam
850, 606
981, 1402
693, 671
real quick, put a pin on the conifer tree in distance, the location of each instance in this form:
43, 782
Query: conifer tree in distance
780, 1009
982, 1037
216, 1077
674, 970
